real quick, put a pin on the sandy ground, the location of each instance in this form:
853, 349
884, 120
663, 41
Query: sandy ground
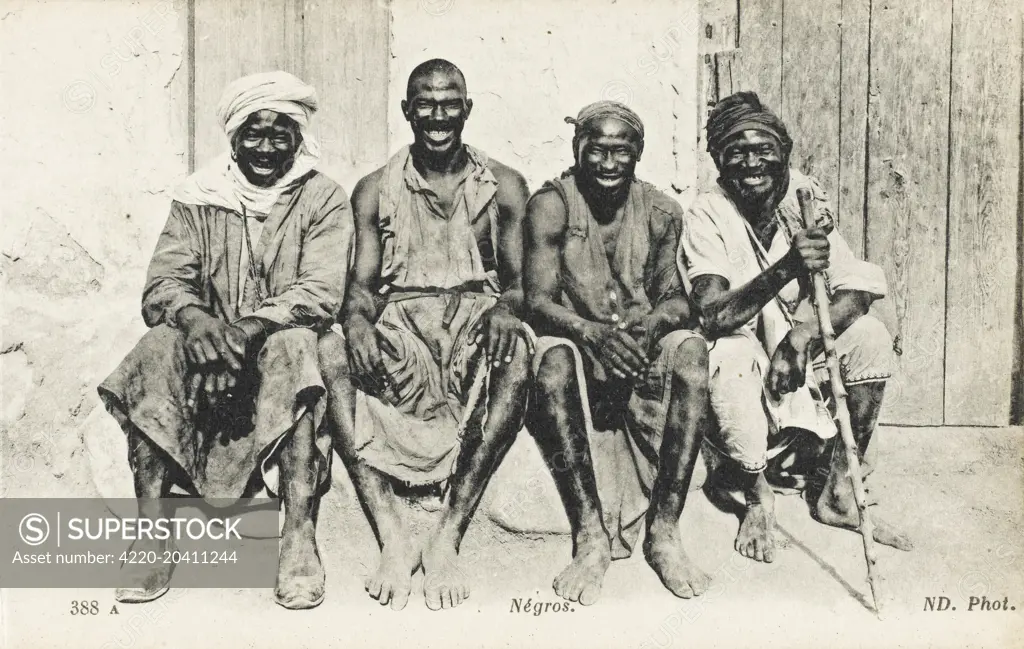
958, 492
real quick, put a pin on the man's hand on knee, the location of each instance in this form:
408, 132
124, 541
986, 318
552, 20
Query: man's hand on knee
216, 351
499, 333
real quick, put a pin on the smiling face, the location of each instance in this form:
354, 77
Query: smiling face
436, 108
265, 147
751, 167
609, 156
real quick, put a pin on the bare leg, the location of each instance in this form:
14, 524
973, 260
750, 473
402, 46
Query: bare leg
300, 577
400, 555
756, 536
445, 585
558, 425
836, 505
684, 430
151, 473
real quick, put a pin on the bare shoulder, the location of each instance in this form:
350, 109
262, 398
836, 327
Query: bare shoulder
366, 195
546, 213
512, 187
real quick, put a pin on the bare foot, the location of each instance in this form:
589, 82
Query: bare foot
445, 584
756, 538
664, 551
828, 512
300, 574
582, 579
145, 582
392, 581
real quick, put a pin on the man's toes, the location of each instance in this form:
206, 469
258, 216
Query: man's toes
385, 595
465, 591
699, 585
433, 599
590, 594
758, 552
373, 587
399, 598
769, 552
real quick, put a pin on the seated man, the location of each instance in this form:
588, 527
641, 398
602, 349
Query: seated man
436, 288
604, 292
748, 256
248, 272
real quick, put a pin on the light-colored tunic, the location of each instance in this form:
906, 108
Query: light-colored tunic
718, 240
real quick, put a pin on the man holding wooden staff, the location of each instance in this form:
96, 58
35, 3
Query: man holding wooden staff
748, 261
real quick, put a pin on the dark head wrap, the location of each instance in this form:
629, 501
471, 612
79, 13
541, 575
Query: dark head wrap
740, 112
600, 109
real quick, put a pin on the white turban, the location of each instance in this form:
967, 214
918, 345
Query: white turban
221, 183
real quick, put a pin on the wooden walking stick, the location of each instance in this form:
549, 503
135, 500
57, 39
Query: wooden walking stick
828, 336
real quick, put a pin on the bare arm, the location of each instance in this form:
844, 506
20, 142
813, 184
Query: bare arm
545, 231
365, 275
512, 197
845, 308
725, 310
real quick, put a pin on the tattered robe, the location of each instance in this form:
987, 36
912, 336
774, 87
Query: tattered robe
624, 422
302, 254
437, 280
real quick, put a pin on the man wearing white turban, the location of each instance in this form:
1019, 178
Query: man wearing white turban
247, 275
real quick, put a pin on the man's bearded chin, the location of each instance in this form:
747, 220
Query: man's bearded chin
758, 198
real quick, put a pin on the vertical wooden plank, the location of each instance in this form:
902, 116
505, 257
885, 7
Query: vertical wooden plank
853, 121
346, 58
1017, 394
759, 68
908, 144
235, 38
984, 159
719, 24
810, 87
719, 20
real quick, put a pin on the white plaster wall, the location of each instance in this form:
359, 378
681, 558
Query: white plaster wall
94, 132
531, 63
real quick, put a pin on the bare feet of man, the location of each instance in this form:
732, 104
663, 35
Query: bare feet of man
300, 574
664, 551
842, 513
141, 581
391, 583
582, 579
756, 537
445, 585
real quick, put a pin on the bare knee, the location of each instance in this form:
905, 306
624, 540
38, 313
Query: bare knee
690, 363
556, 373
332, 354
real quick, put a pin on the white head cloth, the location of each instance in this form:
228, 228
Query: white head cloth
221, 183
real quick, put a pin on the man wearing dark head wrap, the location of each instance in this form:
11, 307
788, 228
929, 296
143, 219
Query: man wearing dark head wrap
748, 257
615, 355
431, 307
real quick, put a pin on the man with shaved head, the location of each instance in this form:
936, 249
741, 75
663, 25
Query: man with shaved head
433, 305
615, 355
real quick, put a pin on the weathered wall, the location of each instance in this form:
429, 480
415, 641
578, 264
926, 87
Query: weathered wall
94, 132
528, 65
